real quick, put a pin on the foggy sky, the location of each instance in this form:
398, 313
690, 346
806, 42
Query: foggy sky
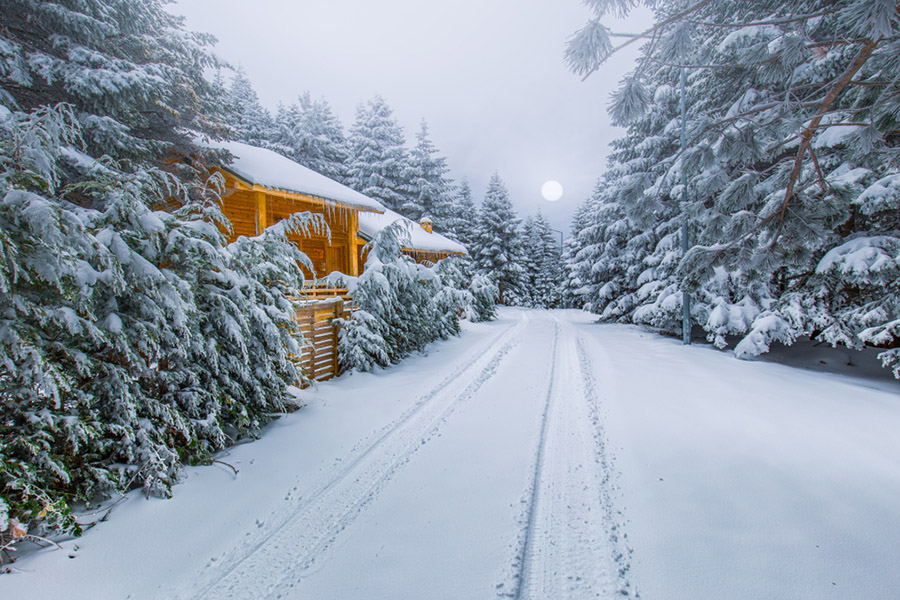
487, 75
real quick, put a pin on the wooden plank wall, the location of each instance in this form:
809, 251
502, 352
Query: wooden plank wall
319, 359
327, 254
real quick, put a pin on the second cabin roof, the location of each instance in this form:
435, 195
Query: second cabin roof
269, 169
419, 239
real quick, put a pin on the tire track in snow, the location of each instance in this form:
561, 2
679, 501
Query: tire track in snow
288, 546
527, 539
570, 545
613, 518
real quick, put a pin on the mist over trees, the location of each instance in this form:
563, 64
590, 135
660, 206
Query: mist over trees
524, 262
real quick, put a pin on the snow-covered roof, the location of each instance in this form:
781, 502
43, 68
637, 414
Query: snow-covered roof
371, 223
272, 170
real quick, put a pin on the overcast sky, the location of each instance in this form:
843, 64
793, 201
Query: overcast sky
487, 75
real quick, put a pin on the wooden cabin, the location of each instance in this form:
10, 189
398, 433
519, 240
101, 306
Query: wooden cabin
425, 245
263, 187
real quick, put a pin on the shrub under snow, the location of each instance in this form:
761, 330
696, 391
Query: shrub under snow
132, 340
402, 305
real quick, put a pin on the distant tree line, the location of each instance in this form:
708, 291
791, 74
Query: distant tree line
524, 261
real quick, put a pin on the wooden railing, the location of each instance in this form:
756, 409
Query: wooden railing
313, 290
319, 359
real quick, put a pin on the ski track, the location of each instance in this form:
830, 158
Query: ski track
288, 543
571, 544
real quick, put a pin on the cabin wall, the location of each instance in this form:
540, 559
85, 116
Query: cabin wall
250, 211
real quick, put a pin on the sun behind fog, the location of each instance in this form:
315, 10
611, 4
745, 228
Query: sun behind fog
552, 191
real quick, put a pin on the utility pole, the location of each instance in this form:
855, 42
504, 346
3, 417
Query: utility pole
560, 239
685, 297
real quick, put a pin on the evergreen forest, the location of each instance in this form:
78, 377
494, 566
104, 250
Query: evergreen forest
754, 194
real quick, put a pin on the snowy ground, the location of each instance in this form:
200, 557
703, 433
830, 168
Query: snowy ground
539, 456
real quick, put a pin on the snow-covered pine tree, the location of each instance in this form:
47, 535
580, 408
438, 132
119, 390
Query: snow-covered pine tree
285, 130
548, 254
120, 304
541, 264
309, 133
495, 248
573, 277
430, 187
457, 218
791, 132
477, 292
137, 336
134, 75
378, 158
216, 105
320, 143
250, 122
608, 276
402, 305
528, 262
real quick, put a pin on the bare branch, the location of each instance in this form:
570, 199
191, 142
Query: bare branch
222, 462
820, 177
806, 138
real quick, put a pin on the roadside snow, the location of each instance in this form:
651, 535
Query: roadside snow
538, 456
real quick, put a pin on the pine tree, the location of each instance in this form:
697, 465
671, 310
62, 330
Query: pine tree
378, 163
142, 340
402, 305
320, 143
458, 220
428, 181
495, 249
790, 165
216, 105
133, 73
574, 276
605, 275
540, 262
138, 336
548, 253
285, 131
250, 122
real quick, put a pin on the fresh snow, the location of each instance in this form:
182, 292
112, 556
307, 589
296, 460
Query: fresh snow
274, 171
537, 456
833, 132
370, 224
862, 255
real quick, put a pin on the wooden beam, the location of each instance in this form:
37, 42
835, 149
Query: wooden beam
352, 244
261, 217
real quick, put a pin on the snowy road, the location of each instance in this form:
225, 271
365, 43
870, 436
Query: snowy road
550, 503
540, 456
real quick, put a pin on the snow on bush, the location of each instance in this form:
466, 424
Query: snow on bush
402, 305
483, 306
132, 340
